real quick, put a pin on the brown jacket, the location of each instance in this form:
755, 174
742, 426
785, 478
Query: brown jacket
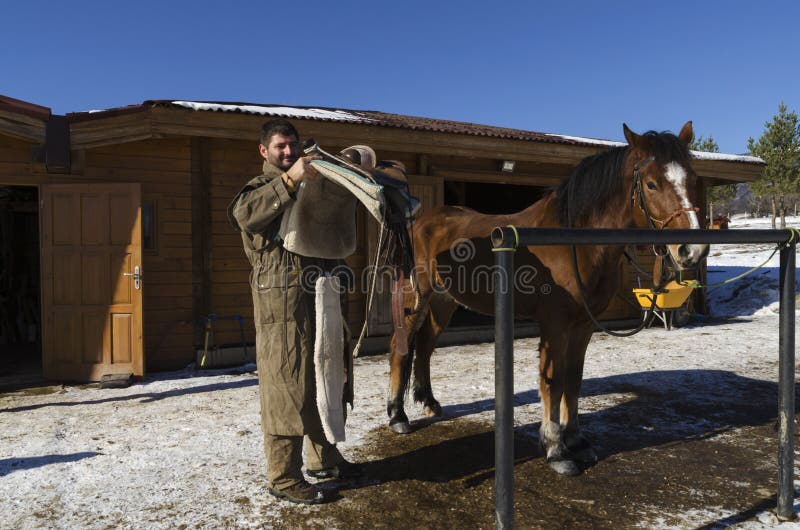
283, 308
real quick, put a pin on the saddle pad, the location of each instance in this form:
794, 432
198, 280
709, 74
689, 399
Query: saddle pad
321, 223
367, 192
329, 357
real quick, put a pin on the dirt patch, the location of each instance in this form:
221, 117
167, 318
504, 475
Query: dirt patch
442, 476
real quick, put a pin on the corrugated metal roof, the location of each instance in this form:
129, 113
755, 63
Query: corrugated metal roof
382, 119
367, 117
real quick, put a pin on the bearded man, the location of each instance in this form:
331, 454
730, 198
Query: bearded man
284, 313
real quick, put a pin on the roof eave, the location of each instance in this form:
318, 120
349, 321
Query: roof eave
23, 120
160, 118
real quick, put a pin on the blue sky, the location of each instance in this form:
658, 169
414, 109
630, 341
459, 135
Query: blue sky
574, 68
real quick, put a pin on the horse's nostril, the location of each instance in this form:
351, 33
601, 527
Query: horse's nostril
684, 251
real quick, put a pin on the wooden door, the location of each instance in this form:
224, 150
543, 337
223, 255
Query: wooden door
430, 192
91, 281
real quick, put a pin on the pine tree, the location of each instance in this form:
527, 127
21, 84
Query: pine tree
716, 196
707, 145
779, 147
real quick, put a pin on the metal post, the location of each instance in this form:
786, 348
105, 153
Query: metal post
786, 385
504, 387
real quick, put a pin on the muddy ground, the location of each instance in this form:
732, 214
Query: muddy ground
442, 476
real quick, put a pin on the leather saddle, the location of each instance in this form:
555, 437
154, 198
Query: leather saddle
397, 212
401, 206
398, 209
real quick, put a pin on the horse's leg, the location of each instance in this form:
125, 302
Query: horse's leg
441, 311
579, 447
399, 375
400, 372
552, 378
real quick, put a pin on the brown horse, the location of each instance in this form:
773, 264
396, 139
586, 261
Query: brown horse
648, 183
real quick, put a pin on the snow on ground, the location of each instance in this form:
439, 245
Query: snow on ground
759, 294
184, 449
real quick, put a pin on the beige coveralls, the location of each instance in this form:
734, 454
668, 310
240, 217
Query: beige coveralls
284, 322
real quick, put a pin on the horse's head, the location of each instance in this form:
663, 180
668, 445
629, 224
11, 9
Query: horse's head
663, 187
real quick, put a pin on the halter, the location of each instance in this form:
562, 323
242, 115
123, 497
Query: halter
636, 189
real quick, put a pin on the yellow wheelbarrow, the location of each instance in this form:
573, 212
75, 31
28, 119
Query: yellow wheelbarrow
668, 299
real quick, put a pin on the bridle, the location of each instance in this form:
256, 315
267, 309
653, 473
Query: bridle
638, 192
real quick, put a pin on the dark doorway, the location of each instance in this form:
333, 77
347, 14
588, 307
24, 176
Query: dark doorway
490, 199
20, 312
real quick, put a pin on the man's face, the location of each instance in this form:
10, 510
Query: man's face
282, 151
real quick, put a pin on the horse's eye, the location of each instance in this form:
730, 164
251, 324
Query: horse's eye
651, 184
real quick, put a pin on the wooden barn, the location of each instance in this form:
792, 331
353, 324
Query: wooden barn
116, 255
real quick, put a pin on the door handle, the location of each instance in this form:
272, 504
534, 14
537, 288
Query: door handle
137, 277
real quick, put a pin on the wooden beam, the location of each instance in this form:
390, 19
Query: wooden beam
111, 130
728, 171
202, 303
22, 127
423, 165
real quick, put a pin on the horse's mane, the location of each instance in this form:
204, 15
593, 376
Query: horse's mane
598, 178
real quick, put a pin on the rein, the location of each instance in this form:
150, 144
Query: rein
694, 284
637, 187
594, 320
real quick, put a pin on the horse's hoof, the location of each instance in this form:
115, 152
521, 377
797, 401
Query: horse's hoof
568, 468
400, 427
398, 421
432, 410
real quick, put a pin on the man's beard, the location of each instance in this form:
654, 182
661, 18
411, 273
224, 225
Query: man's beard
284, 163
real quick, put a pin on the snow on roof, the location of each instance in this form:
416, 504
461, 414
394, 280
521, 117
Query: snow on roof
700, 155
591, 141
287, 112
704, 155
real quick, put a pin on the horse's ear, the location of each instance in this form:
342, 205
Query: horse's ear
631, 136
687, 133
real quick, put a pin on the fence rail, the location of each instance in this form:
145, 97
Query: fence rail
506, 240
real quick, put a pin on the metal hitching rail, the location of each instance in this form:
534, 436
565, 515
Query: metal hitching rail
506, 240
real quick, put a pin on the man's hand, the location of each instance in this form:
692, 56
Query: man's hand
301, 170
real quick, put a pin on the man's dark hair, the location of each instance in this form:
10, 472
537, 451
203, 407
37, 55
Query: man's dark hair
277, 126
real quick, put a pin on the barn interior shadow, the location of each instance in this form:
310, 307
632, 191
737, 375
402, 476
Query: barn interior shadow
651, 409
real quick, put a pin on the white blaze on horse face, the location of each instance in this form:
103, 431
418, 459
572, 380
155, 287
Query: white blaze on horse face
676, 176
684, 255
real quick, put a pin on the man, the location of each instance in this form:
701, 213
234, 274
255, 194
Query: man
285, 320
